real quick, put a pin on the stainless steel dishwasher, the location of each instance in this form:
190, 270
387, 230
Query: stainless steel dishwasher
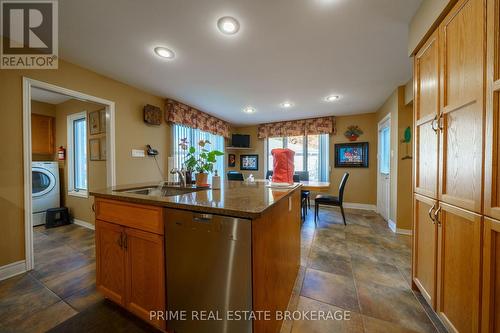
209, 268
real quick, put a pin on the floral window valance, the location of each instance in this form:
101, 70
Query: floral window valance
179, 113
324, 125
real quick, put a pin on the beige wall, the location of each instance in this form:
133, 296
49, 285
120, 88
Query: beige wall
424, 20
400, 178
131, 132
362, 183
257, 146
80, 208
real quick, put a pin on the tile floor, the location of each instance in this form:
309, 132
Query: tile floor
363, 268
61, 285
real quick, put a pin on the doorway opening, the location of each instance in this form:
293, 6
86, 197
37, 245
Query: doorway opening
69, 149
384, 168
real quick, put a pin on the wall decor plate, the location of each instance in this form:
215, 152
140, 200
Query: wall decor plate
152, 115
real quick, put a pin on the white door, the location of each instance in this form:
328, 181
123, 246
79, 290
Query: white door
384, 168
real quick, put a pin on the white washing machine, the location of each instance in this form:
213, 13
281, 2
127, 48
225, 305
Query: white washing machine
45, 189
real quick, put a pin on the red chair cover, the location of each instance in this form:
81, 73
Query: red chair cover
283, 166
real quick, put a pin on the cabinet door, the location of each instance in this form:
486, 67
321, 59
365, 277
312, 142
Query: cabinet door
491, 276
459, 252
42, 134
492, 158
462, 110
145, 273
425, 247
426, 113
110, 260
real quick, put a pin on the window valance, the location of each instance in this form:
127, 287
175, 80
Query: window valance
179, 113
323, 125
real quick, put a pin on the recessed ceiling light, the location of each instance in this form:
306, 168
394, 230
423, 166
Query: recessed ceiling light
286, 104
332, 98
164, 52
249, 109
228, 25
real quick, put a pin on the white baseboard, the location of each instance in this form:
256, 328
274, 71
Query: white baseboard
396, 230
12, 269
361, 206
84, 224
392, 225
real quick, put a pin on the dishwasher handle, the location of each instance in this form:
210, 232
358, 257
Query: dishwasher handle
202, 218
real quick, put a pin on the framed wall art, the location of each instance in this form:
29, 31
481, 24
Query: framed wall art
351, 155
249, 162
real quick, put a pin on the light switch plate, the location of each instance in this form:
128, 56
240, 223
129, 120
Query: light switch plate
138, 153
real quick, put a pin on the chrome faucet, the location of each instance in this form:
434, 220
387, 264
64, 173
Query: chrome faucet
182, 175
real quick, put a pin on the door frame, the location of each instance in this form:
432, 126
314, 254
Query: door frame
387, 119
28, 84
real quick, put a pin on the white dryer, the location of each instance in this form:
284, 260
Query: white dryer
45, 189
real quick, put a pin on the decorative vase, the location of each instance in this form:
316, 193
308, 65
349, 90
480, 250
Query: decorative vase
201, 179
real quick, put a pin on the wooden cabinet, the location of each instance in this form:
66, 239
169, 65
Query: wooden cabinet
491, 277
42, 134
426, 73
145, 273
492, 157
110, 257
130, 261
461, 36
425, 247
459, 260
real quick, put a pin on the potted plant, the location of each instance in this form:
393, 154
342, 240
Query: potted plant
353, 132
201, 160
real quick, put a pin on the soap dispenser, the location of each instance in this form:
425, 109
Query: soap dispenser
215, 181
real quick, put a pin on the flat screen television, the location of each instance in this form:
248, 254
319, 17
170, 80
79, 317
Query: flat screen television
241, 140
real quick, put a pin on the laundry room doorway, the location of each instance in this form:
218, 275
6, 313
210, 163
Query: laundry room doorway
68, 152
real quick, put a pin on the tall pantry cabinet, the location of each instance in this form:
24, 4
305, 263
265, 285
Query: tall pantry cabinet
456, 258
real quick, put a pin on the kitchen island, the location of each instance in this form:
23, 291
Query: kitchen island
199, 260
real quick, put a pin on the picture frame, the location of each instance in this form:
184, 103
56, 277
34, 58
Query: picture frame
94, 122
249, 162
352, 155
152, 115
231, 161
102, 149
102, 120
94, 150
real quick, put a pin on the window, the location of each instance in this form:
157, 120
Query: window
311, 154
193, 137
385, 150
77, 154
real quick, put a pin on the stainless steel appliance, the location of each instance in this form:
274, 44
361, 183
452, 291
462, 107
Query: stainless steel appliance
209, 268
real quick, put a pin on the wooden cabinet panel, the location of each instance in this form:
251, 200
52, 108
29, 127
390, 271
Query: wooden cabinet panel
462, 110
426, 113
42, 134
143, 217
145, 274
491, 277
110, 261
492, 156
425, 247
459, 251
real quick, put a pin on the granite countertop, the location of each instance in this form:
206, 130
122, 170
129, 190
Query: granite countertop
235, 198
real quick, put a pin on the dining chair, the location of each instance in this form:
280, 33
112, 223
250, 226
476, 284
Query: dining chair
330, 200
234, 175
304, 177
269, 173
303, 197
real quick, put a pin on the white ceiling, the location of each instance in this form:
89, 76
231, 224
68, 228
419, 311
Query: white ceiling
297, 50
46, 96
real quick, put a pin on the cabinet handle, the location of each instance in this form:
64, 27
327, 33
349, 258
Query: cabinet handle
120, 240
440, 121
436, 216
93, 207
125, 241
434, 122
430, 213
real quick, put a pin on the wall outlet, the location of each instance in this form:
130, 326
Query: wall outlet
138, 153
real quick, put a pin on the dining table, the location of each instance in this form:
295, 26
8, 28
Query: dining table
315, 186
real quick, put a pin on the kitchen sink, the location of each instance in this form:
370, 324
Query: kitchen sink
164, 191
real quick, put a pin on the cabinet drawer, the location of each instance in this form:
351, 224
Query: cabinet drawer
142, 217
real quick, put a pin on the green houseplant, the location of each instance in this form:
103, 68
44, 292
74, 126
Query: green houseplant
200, 160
